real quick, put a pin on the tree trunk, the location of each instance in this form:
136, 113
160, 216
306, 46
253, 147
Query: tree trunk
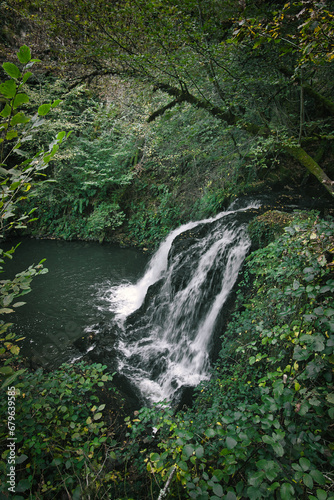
312, 166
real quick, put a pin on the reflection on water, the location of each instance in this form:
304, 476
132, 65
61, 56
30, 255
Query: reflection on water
69, 301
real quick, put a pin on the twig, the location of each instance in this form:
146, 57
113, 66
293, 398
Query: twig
164, 491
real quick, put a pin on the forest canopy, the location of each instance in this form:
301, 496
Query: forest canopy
263, 68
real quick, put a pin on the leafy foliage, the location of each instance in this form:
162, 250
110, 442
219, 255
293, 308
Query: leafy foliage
63, 443
261, 427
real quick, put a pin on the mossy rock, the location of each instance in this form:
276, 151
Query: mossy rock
267, 227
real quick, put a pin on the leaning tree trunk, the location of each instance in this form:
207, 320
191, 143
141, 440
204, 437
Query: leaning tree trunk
312, 166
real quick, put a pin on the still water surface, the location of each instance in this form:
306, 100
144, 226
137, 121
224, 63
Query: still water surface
71, 300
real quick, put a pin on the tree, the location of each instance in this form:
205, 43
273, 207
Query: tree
17, 178
266, 74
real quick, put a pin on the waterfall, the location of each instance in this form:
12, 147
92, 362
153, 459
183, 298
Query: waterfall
168, 318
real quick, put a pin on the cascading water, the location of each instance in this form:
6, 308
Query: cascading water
167, 320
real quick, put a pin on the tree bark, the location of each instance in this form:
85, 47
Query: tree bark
312, 166
230, 118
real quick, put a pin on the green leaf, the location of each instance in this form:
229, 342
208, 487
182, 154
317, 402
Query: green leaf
308, 481
321, 494
26, 76
20, 99
8, 89
188, 450
19, 118
267, 439
330, 398
44, 109
318, 476
11, 135
21, 459
257, 478
199, 452
55, 103
97, 416
23, 485
218, 490
24, 54
183, 465
231, 443
218, 474
15, 349
230, 496
287, 492
12, 70
57, 461
304, 463
210, 433
6, 111
6, 370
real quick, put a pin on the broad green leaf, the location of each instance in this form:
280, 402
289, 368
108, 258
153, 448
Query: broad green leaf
210, 433
6, 111
218, 490
287, 492
6, 370
15, 349
12, 70
26, 76
267, 439
199, 452
8, 89
23, 485
11, 135
22, 458
219, 474
318, 477
20, 99
44, 109
24, 54
19, 118
230, 496
188, 450
330, 398
61, 136
308, 481
183, 465
256, 478
231, 443
55, 103
97, 416
321, 494
304, 463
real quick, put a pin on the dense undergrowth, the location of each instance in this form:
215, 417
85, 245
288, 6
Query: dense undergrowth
121, 178
262, 427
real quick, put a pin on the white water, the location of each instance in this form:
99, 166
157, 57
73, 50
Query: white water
169, 346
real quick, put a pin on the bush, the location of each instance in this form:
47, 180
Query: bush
262, 426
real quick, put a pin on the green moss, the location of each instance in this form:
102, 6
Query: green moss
267, 227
